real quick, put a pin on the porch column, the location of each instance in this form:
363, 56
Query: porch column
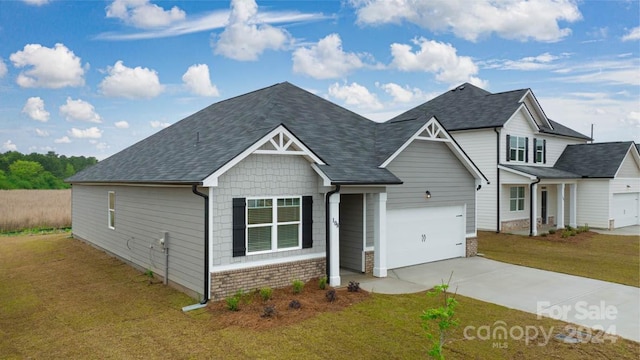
573, 195
334, 234
534, 210
380, 237
560, 207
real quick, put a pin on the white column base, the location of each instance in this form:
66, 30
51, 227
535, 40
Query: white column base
334, 280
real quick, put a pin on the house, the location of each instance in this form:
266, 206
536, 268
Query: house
540, 172
276, 185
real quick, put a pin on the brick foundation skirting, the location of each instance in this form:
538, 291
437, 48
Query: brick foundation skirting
226, 283
368, 262
472, 247
523, 224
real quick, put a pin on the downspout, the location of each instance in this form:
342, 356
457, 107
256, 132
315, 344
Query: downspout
328, 228
205, 290
497, 179
532, 221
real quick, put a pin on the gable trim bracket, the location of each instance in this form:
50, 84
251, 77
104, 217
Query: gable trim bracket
279, 141
432, 130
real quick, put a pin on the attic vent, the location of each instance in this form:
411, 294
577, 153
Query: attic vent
461, 88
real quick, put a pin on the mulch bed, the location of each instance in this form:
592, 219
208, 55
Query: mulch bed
557, 236
312, 299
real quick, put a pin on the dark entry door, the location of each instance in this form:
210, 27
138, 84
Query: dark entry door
543, 203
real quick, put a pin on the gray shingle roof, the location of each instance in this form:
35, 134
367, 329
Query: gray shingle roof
543, 172
345, 141
470, 107
597, 160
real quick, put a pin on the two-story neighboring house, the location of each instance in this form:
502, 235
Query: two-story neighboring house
540, 172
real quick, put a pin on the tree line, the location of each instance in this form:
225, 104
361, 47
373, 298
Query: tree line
39, 171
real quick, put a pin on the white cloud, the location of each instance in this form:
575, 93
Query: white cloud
438, 58
519, 19
530, 63
62, 140
198, 81
102, 146
143, 14
42, 133
34, 108
9, 146
121, 124
36, 2
3, 68
131, 83
246, 36
158, 124
54, 68
326, 59
80, 110
355, 94
90, 133
403, 94
619, 71
633, 34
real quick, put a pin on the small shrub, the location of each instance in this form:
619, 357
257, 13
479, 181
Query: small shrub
565, 234
331, 295
543, 234
149, 275
573, 233
232, 303
269, 311
294, 304
568, 228
322, 283
298, 285
582, 229
265, 293
353, 286
552, 231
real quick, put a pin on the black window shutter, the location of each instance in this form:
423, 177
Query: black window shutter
526, 150
544, 151
535, 150
508, 147
307, 222
239, 225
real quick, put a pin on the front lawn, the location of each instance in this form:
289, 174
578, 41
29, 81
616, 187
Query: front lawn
61, 299
605, 257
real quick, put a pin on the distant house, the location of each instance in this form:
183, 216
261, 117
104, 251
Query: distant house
540, 172
276, 185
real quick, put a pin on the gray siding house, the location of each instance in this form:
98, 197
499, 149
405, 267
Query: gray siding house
276, 185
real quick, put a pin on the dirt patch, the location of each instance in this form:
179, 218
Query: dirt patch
312, 301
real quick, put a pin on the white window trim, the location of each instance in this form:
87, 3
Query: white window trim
517, 148
111, 212
523, 198
274, 224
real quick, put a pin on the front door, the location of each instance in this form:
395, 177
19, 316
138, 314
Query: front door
543, 204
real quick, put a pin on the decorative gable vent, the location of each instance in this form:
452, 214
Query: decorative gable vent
432, 131
280, 144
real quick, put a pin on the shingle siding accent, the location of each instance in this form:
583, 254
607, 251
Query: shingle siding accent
264, 175
226, 283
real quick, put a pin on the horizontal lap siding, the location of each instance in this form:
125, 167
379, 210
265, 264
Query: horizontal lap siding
264, 175
430, 165
592, 203
142, 213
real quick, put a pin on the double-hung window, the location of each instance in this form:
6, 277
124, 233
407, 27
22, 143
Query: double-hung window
273, 224
112, 209
516, 198
517, 148
539, 146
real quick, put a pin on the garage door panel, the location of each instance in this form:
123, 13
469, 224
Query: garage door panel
625, 209
416, 236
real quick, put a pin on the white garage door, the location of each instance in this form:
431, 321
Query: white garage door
625, 209
417, 236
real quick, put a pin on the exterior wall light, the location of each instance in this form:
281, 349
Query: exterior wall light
428, 194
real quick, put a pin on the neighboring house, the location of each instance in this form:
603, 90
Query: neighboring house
540, 172
293, 187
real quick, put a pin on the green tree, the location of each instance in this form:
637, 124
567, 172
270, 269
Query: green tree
24, 169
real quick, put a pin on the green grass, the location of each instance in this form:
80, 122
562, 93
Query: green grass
61, 299
605, 257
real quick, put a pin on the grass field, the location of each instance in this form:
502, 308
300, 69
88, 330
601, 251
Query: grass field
605, 257
29, 209
62, 299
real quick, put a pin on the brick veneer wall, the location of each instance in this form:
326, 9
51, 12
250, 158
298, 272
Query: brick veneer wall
523, 224
368, 262
226, 283
472, 247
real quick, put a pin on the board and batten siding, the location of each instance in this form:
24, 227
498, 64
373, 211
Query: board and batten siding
430, 165
593, 202
351, 231
141, 215
480, 146
257, 176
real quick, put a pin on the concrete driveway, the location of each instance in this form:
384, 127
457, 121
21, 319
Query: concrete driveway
592, 303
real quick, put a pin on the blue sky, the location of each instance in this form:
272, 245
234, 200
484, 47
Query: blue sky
93, 77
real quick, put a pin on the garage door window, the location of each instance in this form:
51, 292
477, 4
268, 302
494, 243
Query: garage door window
516, 199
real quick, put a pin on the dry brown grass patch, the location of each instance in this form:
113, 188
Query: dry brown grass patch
28, 209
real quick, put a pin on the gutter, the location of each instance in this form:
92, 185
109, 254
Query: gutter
532, 221
205, 290
497, 179
328, 228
